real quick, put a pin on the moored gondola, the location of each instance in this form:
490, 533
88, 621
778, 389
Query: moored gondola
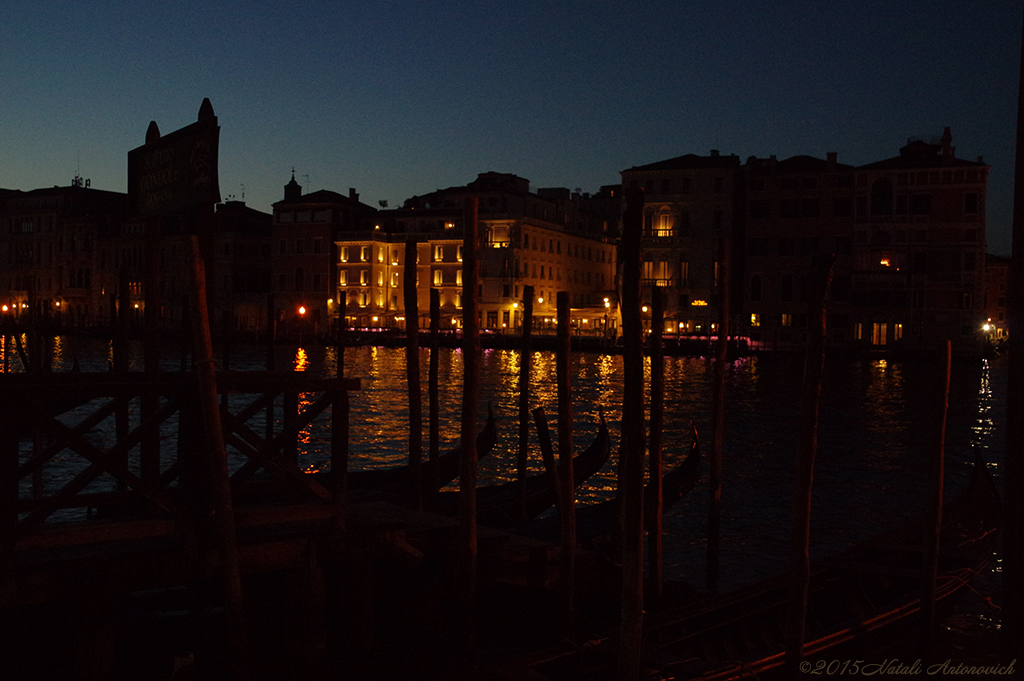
497, 504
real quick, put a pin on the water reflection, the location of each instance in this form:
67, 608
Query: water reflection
301, 361
873, 436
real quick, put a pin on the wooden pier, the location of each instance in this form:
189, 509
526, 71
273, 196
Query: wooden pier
124, 582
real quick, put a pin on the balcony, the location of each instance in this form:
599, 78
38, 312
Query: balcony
880, 278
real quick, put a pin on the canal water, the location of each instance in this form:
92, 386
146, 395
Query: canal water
876, 428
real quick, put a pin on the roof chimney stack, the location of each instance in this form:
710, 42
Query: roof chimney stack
352, 194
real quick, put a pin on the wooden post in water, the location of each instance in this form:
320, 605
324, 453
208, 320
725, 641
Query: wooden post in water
120, 347
270, 362
433, 396
339, 418
525, 365
632, 445
149, 450
933, 526
1013, 507
655, 564
567, 517
800, 565
547, 455
215, 456
412, 373
718, 418
470, 394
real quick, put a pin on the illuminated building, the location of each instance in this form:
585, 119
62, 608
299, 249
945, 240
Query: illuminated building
304, 257
997, 296
62, 248
689, 204
544, 239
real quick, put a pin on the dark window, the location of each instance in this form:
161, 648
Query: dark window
881, 197
786, 289
759, 209
843, 245
808, 245
666, 186
969, 261
755, 288
300, 279
789, 208
787, 245
809, 208
842, 207
920, 204
971, 203
719, 184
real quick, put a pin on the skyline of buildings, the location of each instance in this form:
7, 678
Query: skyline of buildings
908, 234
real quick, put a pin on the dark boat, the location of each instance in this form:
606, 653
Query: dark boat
497, 504
861, 601
393, 479
595, 522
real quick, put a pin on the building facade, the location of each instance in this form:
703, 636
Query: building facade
304, 270
690, 207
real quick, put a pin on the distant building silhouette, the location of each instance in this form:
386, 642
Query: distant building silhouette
305, 258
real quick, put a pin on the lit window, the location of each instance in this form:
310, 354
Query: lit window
380, 278
394, 256
858, 331
458, 277
897, 332
380, 254
755, 319
438, 253
699, 303
438, 277
394, 279
343, 278
458, 254
364, 277
344, 253
364, 253
787, 319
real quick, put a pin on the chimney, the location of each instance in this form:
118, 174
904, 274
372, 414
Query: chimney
352, 194
714, 153
831, 157
981, 159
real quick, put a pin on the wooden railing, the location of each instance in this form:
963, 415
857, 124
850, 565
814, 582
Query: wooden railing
62, 435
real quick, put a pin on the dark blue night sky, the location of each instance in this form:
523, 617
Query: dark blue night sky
402, 98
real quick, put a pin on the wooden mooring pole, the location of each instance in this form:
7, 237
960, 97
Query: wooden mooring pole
567, 517
632, 445
339, 418
470, 394
525, 365
800, 564
412, 373
433, 396
1013, 532
149, 452
933, 526
655, 563
718, 419
215, 455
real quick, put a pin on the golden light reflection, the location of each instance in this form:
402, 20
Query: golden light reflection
301, 361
